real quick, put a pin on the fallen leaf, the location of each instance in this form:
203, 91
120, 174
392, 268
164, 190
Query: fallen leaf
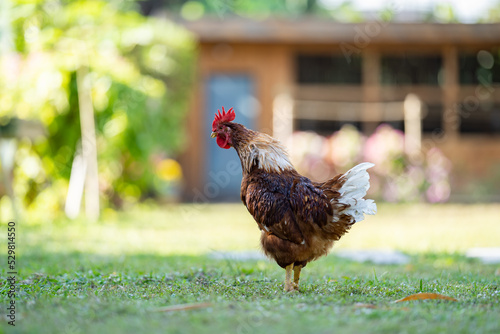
424, 296
182, 307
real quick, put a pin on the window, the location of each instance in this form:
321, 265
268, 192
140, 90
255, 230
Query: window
482, 67
484, 118
410, 70
433, 118
321, 69
398, 125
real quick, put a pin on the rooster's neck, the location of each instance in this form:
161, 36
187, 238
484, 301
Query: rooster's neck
263, 152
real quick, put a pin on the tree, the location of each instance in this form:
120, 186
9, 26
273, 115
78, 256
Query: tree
138, 71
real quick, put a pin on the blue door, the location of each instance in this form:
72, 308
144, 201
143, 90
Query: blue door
223, 175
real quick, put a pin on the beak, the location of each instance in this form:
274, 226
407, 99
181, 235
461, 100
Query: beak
213, 135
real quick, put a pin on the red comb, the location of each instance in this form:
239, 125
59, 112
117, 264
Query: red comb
224, 117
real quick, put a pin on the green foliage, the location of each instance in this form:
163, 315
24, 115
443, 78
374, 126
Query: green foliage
493, 14
341, 11
139, 70
257, 9
444, 13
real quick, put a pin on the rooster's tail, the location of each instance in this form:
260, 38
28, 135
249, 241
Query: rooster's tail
356, 183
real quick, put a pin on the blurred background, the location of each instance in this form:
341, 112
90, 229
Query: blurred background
105, 105
123, 204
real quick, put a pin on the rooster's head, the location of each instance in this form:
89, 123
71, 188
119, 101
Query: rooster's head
220, 128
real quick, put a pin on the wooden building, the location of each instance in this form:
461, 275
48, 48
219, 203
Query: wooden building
313, 74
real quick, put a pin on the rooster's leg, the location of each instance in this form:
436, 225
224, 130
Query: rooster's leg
296, 277
288, 278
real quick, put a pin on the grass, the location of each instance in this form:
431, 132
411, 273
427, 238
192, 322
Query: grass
114, 276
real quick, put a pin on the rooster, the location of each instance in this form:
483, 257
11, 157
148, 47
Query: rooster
299, 219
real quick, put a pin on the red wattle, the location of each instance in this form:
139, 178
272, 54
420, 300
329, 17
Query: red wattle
223, 142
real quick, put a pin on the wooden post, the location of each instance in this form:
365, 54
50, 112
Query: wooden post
413, 126
283, 117
8, 148
76, 187
89, 148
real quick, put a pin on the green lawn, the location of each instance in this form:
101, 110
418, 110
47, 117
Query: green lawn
115, 276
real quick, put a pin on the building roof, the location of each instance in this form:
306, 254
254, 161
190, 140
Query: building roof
322, 31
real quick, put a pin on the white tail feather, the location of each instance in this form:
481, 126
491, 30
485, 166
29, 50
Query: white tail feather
354, 189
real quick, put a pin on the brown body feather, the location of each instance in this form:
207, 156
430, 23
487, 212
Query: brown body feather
299, 219
294, 214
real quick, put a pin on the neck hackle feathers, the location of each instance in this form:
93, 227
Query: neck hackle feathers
224, 117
